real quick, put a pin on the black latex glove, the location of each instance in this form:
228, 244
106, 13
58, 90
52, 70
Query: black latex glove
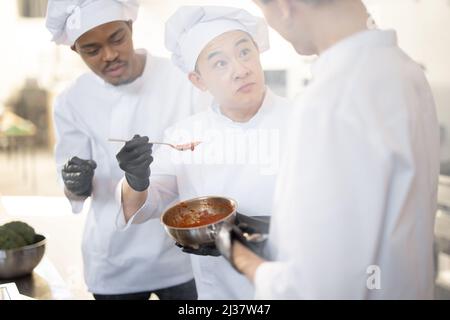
259, 224
135, 158
77, 175
243, 224
206, 250
252, 234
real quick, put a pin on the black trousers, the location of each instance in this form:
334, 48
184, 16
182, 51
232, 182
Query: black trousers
184, 291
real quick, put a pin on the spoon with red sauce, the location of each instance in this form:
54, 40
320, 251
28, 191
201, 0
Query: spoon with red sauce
180, 147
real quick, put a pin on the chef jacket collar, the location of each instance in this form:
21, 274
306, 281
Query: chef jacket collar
268, 103
351, 46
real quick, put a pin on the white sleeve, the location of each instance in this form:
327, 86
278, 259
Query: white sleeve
329, 211
163, 189
71, 141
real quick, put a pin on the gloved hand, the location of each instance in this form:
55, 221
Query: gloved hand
258, 224
252, 234
243, 224
135, 158
206, 250
77, 175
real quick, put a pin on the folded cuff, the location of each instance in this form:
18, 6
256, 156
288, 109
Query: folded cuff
138, 217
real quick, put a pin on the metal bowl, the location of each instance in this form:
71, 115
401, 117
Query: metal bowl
199, 235
19, 262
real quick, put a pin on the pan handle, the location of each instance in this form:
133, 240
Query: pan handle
260, 224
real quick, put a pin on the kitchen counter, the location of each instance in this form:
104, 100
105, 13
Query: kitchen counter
45, 283
60, 273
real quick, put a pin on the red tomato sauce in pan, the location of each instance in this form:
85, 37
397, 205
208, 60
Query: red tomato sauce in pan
197, 219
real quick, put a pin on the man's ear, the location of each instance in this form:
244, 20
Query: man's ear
197, 80
74, 48
130, 25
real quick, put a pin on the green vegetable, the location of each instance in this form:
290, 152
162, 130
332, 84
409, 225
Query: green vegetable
23, 229
9, 239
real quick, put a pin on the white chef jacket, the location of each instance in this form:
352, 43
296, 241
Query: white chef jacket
235, 160
141, 258
356, 196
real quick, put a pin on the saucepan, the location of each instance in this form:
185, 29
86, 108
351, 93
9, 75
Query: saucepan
196, 222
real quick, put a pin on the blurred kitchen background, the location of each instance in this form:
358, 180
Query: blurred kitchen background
34, 71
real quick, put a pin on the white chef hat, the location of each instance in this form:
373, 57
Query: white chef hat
191, 28
67, 20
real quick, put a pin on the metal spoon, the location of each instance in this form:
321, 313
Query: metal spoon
180, 147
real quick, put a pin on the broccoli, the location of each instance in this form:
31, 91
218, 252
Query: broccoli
10, 239
22, 229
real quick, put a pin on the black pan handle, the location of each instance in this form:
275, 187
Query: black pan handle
261, 224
